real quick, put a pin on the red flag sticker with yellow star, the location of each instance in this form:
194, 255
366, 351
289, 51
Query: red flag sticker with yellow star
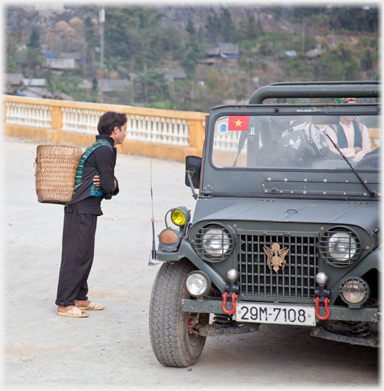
239, 122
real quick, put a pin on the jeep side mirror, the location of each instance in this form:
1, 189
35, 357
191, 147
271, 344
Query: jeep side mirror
192, 171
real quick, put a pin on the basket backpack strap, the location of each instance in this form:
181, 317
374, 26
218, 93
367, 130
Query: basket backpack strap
79, 173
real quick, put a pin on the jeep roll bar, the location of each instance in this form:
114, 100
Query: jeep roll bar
332, 89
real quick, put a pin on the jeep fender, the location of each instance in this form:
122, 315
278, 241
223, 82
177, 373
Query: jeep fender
187, 251
371, 261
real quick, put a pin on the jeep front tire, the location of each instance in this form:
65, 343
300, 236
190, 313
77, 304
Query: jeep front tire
174, 336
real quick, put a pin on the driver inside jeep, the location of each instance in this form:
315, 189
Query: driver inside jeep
350, 135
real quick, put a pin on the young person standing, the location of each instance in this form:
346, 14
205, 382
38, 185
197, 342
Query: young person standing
95, 180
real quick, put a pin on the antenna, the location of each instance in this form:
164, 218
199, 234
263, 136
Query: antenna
152, 258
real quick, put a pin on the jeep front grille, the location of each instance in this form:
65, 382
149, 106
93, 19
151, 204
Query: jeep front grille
295, 281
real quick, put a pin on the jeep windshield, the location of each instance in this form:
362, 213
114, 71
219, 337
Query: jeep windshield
292, 146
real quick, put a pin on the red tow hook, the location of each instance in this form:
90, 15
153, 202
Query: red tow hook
326, 301
234, 297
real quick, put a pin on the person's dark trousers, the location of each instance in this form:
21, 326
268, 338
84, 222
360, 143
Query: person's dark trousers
77, 256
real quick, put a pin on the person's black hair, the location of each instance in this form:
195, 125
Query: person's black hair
109, 120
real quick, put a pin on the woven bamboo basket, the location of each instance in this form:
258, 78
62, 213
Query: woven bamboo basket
56, 167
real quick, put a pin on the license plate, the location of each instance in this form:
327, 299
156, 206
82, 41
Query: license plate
276, 314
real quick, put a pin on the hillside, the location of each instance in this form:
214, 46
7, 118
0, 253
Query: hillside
188, 57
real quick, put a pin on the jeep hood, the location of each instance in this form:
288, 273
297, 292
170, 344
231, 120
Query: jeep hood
363, 214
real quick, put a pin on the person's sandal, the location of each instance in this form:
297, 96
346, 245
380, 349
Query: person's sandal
93, 307
73, 313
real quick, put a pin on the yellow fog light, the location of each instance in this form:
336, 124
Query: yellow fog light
180, 216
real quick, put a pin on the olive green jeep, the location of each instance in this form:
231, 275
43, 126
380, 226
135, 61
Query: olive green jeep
286, 224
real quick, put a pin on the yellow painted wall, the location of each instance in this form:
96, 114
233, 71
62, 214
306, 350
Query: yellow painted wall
57, 136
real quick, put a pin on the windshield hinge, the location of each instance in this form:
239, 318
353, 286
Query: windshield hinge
207, 191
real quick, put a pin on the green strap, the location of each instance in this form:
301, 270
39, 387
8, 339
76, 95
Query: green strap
95, 191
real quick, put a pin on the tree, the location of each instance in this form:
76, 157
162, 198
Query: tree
32, 58
298, 67
216, 88
353, 18
251, 27
57, 84
190, 29
13, 63
369, 53
213, 28
92, 40
228, 29
339, 63
153, 84
115, 64
118, 40
34, 40
192, 53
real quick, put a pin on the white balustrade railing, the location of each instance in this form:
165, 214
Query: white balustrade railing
28, 115
146, 128
158, 129
80, 120
227, 142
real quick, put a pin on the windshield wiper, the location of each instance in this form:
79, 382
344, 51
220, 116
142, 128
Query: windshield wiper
372, 192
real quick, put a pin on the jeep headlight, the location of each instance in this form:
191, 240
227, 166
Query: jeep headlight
198, 283
340, 246
214, 243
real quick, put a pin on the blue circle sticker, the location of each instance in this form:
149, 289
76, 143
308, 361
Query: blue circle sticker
223, 128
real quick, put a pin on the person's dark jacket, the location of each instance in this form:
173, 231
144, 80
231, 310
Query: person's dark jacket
102, 161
